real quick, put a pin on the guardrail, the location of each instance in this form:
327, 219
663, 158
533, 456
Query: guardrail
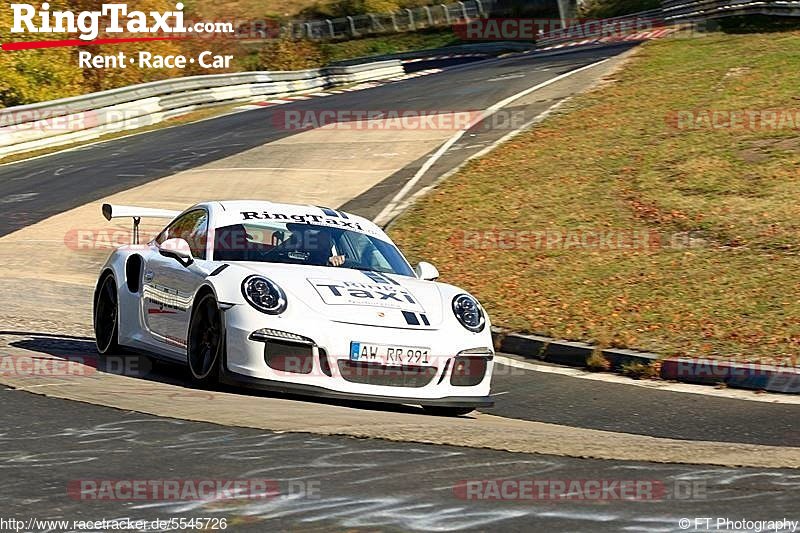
456, 13
82, 118
683, 10
435, 16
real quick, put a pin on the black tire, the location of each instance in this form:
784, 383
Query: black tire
447, 411
106, 317
205, 348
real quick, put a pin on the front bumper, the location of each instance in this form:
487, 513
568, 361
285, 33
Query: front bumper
232, 378
326, 372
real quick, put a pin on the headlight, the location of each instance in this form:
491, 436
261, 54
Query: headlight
468, 312
264, 295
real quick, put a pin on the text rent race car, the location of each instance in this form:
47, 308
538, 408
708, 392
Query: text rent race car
293, 298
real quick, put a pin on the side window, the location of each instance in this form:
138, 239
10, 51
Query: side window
191, 227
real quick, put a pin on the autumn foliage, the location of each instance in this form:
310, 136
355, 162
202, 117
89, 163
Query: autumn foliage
39, 75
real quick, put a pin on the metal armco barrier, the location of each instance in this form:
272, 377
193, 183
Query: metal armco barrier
81, 118
433, 16
443, 15
682, 10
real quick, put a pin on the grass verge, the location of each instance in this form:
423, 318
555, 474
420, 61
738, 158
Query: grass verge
717, 276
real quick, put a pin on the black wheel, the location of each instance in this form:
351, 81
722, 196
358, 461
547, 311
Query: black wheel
106, 317
447, 411
206, 345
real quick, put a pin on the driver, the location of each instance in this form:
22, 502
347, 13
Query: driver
319, 244
326, 251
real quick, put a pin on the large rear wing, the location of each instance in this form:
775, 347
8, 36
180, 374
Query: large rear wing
137, 214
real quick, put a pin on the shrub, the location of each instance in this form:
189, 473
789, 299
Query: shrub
289, 54
597, 362
637, 370
35, 75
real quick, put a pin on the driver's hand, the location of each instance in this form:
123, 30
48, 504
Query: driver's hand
337, 260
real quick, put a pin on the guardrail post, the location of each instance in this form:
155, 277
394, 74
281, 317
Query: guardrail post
307, 26
352, 24
394, 23
411, 24
566, 10
330, 28
464, 11
373, 21
430, 16
481, 12
446, 14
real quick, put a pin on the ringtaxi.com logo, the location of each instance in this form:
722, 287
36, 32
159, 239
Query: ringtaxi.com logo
118, 19
118, 24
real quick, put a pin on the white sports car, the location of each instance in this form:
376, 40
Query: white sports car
293, 298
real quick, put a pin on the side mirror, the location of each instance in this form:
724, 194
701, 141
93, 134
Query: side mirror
177, 249
427, 271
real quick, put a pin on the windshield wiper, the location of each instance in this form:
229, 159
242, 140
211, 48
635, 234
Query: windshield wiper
366, 269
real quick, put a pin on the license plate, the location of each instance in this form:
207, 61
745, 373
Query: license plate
389, 355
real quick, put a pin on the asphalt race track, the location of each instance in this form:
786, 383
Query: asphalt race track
69, 179
628, 409
333, 483
404, 472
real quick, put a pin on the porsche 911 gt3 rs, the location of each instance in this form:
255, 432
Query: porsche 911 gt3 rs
293, 298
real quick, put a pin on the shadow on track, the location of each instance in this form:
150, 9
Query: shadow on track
81, 350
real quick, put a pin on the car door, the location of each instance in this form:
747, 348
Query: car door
170, 285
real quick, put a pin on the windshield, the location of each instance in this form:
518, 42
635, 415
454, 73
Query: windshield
307, 244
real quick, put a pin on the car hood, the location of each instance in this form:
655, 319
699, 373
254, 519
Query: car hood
359, 297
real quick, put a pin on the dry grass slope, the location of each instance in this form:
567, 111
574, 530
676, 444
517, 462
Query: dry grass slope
617, 162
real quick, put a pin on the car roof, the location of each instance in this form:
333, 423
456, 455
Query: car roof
230, 212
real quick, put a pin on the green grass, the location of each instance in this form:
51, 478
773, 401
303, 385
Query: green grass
613, 162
